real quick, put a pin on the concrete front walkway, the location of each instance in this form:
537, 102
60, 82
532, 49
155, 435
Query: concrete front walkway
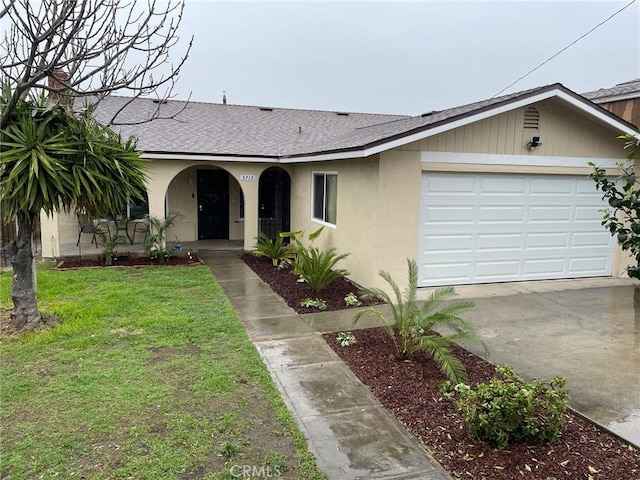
349, 432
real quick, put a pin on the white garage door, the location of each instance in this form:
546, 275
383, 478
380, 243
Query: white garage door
480, 228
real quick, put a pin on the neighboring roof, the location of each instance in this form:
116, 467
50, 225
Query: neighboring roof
275, 134
622, 91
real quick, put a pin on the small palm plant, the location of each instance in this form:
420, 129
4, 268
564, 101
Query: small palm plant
315, 267
156, 243
109, 240
412, 325
276, 249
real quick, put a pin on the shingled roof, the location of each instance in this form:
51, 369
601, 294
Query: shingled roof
231, 130
630, 89
221, 130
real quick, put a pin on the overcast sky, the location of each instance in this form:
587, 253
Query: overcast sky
400, 57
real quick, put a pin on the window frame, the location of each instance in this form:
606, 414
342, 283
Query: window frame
323, 220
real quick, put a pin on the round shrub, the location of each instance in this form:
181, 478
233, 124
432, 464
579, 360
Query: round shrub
508, 410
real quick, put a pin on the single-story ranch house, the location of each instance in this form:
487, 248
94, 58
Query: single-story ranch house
492, 191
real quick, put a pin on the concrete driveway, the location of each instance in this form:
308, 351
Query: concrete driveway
586, 330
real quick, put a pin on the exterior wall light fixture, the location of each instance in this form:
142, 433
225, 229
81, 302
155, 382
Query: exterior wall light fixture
535, 142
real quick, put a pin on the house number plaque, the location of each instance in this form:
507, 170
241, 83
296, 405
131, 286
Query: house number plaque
247, 178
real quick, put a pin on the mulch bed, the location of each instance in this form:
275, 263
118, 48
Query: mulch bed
129, 261
409, 391
285, 284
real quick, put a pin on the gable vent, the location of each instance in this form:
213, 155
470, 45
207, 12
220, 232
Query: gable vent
531, 118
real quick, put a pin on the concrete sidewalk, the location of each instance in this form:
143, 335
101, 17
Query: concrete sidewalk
348, 430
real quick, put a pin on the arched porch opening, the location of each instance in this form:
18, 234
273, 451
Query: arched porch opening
274, 202
208, 198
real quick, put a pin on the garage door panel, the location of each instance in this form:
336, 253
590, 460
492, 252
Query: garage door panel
547, 240
588, 265
589, 239
448, 215
501, 214
514, 227
589, 213
547, 266
500, 186
505, 241
444, 243
551, 186
549, 214
453, 273
448, 184
495, 269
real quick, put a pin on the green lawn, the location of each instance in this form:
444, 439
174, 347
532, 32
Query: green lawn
150, 375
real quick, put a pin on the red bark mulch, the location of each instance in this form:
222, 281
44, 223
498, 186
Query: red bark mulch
409, 391
286, 284
129, 261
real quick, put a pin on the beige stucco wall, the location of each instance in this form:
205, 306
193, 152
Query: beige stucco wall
563, 131
354, 232
377, 213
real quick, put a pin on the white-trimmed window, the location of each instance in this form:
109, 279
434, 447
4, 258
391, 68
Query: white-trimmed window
324, 202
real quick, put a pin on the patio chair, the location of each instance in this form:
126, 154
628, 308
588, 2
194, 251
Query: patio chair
86, 225
139, 226
122, 224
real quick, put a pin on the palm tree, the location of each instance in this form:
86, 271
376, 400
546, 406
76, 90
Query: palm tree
55, 159
412, 326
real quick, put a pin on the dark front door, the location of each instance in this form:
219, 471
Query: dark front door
213, 204
274, 202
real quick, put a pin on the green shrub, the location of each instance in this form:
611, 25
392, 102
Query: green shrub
315, 267
412, 325
508, 410
276, 249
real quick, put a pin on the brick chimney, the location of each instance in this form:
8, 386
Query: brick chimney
55, 77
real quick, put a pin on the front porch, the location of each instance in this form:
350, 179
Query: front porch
219, 205
85, 248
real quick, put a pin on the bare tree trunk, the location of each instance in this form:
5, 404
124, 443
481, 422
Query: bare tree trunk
25, 314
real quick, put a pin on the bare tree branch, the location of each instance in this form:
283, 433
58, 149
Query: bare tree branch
91, 48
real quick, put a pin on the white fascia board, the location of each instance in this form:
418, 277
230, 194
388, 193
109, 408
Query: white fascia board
597, 113
327, 157
219, 158
519, 160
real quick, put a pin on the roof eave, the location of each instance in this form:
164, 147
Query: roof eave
544, 93
222, 157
